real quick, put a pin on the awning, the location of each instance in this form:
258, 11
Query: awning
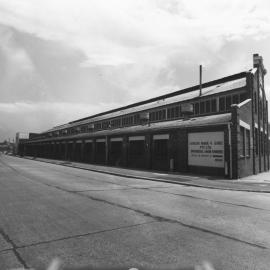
203, 121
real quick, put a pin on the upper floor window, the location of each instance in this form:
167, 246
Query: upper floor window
97, 126
196, 108
116, 123
243, 97
127, 120
207, 106
173, 112
214, 105
228, 102
222, 104
202, 107
235, 99
136, 119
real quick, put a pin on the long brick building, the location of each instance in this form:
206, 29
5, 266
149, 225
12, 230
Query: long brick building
219, 127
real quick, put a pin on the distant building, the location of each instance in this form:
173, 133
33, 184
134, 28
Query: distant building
6, 146
220, 130
21, 137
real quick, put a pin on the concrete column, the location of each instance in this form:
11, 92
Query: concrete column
125, 151
107, 150
148, 152
93, 154
235, 133
171, 151
73, 151
82, 151
66, 150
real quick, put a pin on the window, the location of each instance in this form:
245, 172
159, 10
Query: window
177, 111
242, 97
105, 124
228, 103
158, 115
136, 119
242, 142
197, 108
247, 142
207, 106
202, 107
152, 116
116, 123
235, 99
172, 112
222, 104
127, 120
83, 129
214, 105
97, 126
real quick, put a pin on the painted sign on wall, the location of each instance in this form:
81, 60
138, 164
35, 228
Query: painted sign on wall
206, 149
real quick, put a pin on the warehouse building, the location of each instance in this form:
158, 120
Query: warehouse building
218, 127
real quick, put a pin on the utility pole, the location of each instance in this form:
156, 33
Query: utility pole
200, 80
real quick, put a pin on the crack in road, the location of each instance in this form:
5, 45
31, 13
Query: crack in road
78, 236
147, 214
205, 199
14, 248
146, 188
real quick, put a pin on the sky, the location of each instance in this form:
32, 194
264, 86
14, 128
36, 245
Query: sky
61, 60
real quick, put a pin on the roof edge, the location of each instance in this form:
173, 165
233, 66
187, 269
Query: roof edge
175, 93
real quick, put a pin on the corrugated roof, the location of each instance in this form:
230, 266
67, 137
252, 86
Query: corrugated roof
206, 91
210, 120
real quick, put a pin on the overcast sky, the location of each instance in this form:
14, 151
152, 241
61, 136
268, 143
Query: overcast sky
65, 59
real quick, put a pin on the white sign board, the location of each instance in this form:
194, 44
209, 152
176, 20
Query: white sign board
206, 149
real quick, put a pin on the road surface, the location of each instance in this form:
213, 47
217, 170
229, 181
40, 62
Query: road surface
89, 218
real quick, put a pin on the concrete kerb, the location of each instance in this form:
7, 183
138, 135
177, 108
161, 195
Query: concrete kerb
69, 164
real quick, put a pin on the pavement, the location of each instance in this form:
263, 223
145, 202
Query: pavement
253, 183
104, 220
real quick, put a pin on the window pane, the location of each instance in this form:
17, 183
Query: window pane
228, 103
202, 107
163, 114
214, 105
172, 113
176, 111
222, 104
235, 99
242, 97
168, 113
207, 106
197, 106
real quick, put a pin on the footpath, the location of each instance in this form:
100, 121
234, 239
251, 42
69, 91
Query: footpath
254, 183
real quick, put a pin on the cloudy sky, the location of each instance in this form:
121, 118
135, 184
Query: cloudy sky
65, 59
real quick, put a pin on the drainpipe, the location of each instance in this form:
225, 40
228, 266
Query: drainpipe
230, 148
200, 80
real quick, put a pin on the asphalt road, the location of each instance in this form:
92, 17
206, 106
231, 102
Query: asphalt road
89, 218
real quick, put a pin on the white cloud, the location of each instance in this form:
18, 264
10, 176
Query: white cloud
38, 117
15, 56
118, 32
124, 50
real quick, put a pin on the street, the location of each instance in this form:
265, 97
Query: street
90, 218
